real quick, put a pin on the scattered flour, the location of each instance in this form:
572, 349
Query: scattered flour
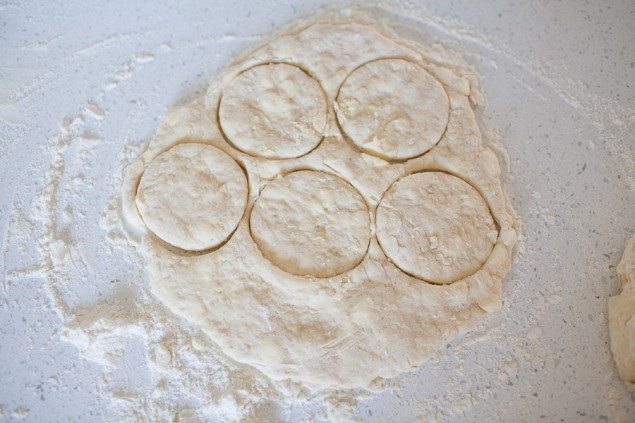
185, 377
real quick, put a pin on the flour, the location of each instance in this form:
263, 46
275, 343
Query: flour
187, 378
185, 375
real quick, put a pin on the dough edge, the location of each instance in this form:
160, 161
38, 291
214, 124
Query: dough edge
622, 318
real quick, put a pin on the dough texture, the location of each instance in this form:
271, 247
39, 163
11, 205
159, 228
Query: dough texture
273, 110
192, 196
302, 289
311, 223
622, 318
435, 226
393, 109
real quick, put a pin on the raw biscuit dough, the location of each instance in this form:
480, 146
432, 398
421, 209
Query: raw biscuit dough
435, 226
343, 323
622, 318
393, 109
192, 196
311, 223
274, 111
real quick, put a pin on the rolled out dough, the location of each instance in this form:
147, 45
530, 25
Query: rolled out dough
305, 293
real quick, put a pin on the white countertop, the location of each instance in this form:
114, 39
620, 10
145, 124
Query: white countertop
559, 79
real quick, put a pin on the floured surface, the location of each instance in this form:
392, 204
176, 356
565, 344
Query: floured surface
78, 90
327, 308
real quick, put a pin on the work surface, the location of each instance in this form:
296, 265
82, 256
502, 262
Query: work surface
80, 83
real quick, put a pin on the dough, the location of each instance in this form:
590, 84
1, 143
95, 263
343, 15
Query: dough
435, 226
622, 318
305, 293
192, 196
274, 111
392, 109
311, 223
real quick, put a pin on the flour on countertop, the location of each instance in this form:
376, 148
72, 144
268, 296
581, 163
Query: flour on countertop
178, 377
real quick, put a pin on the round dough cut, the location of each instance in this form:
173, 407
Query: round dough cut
276, 111
192, 196
435, 226
393, 109
311, 223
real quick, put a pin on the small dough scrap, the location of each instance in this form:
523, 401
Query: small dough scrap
622, 318
393, 109
192, 196
276, 111
311, 223
435, 226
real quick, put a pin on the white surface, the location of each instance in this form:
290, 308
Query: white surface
560, 84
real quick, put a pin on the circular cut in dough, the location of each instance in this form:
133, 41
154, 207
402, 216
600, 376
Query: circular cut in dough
311, 223
192, 196
392, 109
435, 226
275, 111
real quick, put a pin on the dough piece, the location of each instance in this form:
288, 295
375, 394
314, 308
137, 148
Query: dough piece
435, 226
393, 109
275, 111
622, 318
192, 196
311, 223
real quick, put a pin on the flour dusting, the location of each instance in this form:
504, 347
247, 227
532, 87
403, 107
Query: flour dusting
158, 367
